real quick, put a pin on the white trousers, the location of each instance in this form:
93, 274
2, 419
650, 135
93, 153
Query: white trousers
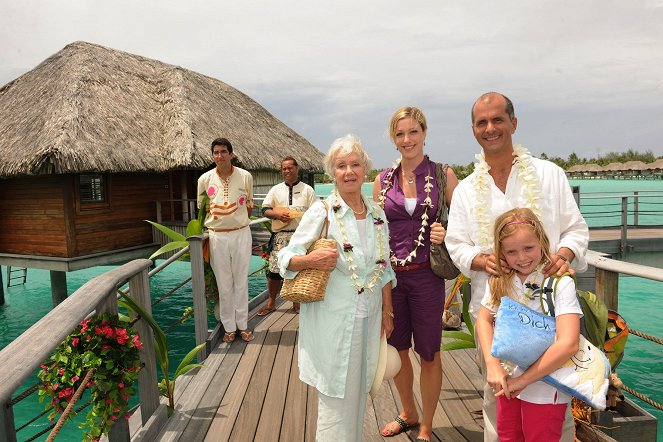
342, 419
230, 258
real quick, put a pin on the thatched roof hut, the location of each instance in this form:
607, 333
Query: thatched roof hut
656, 165
634, 165
95, 141
93, 109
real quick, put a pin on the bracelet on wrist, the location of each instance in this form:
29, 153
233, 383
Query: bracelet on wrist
388, 313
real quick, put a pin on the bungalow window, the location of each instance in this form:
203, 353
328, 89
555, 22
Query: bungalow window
92, 188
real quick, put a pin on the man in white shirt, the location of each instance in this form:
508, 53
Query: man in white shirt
506, 177
284, 204
230, 192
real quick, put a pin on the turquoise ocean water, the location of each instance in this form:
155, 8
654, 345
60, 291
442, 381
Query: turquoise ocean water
642, 368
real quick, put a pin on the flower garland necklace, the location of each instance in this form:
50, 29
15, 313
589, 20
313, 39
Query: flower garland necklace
388, 182
380, 263
481, 181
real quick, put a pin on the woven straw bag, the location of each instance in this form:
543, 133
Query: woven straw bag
310, 284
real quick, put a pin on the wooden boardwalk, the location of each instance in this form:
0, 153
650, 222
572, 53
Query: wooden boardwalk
252, 392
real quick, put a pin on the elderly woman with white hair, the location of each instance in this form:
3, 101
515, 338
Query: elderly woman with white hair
339, 336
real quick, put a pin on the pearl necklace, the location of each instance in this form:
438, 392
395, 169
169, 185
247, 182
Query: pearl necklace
481, 181
380, 262
388, 182
362, 210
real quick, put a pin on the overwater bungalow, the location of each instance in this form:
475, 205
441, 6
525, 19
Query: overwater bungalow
92, 138
627, 170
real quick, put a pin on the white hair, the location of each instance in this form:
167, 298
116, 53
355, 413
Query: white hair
345, 146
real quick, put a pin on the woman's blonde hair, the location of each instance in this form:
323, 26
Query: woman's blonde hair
406, 112
345, 146
506, 225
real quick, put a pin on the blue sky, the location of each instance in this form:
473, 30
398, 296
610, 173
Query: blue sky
585, 77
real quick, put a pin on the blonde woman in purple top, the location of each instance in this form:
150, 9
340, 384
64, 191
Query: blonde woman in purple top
409, 194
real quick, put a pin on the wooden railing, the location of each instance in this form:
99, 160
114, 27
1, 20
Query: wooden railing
607, 276
23, 355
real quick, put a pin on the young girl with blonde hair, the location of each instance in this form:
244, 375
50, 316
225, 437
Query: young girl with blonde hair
527, 408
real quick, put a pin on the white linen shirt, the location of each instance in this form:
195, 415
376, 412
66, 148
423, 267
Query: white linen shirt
560, 215
325, 327
565, 302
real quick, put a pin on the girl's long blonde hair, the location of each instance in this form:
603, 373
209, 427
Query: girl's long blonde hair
506, 225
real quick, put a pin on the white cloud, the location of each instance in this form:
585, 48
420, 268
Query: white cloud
583, 75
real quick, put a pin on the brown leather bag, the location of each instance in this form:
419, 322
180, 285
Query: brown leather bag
440, 261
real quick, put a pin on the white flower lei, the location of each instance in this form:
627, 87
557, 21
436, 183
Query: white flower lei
347, 247
531, 192
388, 182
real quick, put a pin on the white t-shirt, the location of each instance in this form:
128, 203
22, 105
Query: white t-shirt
566, 302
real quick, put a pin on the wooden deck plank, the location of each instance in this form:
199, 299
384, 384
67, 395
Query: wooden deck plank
293, 427
458, 390
226, 414
254, 400
271, 422
221, 378
252, 392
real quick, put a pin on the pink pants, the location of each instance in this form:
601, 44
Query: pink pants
524, 421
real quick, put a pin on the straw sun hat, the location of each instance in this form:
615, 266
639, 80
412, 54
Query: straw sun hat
389, 364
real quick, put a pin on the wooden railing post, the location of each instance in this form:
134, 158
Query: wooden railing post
159, 216
7, 429
198, 292
635, 208
607, 287
139, 286
622, 242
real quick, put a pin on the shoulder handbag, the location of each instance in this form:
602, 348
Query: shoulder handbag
440, 261
309, 285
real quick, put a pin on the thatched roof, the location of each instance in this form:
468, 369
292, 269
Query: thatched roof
93, 109
656, 165
634, 165
589, 167
613, 167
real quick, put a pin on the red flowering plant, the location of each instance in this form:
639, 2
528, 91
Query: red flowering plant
111, 348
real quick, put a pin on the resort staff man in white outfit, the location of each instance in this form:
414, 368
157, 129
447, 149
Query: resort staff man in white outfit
281, 201
230, 192
506, 177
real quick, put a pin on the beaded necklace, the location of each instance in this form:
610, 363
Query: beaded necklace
380, 262
388, 182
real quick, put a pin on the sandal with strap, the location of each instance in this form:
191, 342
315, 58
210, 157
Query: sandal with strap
247, 335
403, 425
229, 337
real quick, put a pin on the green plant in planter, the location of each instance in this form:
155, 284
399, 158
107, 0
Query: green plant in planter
461, 339
110, 347
166, 385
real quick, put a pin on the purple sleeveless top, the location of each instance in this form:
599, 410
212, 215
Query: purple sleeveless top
403, 228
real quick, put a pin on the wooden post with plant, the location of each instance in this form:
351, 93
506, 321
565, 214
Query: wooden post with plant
198, 293
139, 286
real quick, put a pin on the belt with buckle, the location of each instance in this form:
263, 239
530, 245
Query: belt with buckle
407, 268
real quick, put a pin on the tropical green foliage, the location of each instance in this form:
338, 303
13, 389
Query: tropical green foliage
166, 385
461, 339
106, 345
